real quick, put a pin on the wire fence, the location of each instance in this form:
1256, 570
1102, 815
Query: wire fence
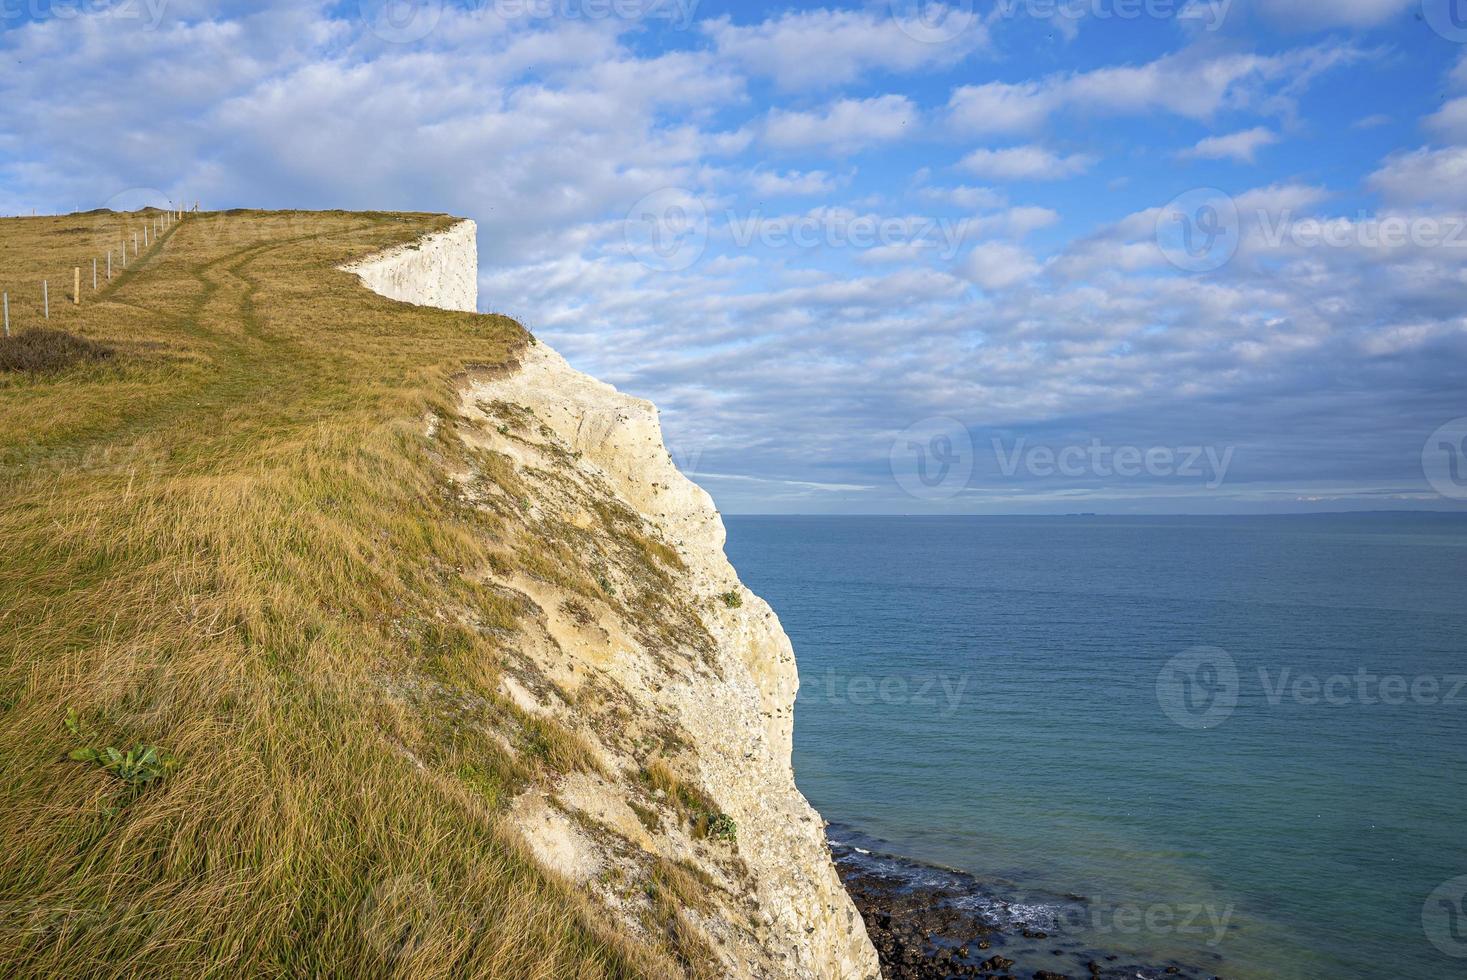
132, 243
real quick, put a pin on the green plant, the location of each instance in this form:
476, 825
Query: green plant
732, 599
139, 764
721, 827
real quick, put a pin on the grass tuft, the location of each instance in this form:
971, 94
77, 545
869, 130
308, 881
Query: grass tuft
39, 350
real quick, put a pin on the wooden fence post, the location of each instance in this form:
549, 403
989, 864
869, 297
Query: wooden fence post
46, 298
94, 275
7, 314
76, 285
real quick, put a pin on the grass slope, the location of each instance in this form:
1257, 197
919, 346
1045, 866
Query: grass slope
230, 540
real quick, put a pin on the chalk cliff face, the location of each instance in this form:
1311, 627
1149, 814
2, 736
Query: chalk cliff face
437, 270
680, 680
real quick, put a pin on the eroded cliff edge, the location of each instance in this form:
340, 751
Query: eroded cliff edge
640, 639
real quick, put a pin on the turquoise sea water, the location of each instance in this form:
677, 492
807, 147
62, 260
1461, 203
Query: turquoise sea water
1100, 706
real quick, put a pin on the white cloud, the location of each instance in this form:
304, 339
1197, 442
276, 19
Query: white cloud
1242, 147
1188, 83
1450, 121
827, 48
998, 107
963, 196
1019, 222
793, 182
844, 126
1316, 15
1424, 176
999, 265
1024, 163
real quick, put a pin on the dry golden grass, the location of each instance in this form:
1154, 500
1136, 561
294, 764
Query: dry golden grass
231, 540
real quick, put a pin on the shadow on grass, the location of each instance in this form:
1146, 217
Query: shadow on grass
39, 350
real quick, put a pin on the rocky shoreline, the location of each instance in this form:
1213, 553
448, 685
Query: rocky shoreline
931, 923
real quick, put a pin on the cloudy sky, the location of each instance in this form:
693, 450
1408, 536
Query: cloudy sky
1006, 256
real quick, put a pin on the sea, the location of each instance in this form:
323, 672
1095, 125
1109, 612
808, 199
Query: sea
1238, 743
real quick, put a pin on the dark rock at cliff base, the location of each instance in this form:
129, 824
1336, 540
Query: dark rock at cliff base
932, 923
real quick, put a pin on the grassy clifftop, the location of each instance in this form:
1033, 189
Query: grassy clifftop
226, 539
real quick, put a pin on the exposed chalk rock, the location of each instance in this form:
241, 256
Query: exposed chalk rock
718, 705
439, 270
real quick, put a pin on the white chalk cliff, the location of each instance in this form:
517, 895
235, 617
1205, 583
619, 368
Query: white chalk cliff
669, 662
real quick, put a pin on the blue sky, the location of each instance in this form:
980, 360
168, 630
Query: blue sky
1022, 256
